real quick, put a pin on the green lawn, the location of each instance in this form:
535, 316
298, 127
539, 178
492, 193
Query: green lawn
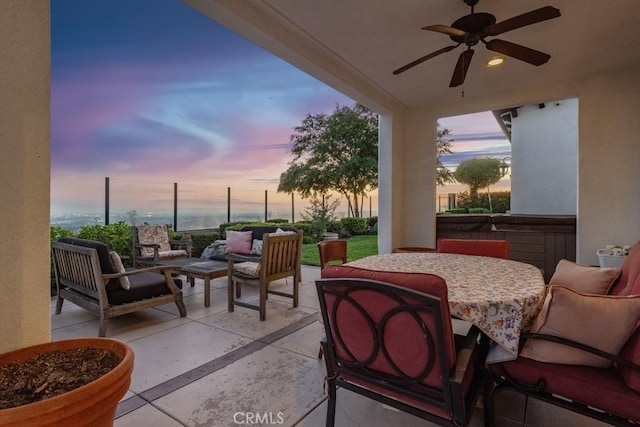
357, 247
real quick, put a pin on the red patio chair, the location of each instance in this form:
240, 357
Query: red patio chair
491, 248
609, 394
332, 250
393, 343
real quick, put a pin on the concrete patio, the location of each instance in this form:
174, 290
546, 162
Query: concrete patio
215, 368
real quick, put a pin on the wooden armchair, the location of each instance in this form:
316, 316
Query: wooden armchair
85, 275
332, 250
280, 258
151, 244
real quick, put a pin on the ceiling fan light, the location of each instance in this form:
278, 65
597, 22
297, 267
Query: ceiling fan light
495, 61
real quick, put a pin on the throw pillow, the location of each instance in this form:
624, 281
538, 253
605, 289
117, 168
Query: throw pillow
119, 268
604, 322
238, 242
256, 247
584, 279
281, 231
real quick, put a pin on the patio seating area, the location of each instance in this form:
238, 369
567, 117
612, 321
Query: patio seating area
215, 368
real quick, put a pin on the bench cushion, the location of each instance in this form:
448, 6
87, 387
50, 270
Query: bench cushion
142, 286
600, 388
104, 256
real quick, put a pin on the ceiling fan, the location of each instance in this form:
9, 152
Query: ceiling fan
474, 28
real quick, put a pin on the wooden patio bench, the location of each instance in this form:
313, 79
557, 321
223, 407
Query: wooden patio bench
85, 275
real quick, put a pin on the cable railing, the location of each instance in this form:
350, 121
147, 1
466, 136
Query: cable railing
189, 207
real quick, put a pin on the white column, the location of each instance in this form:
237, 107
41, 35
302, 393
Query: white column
608, 163
407, 180
24, 173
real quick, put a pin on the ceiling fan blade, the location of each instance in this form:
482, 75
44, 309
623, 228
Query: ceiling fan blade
533, 17
462, 66
532, 56
424, 58
445, 30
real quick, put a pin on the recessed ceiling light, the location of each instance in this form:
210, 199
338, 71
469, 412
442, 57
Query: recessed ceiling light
496, 60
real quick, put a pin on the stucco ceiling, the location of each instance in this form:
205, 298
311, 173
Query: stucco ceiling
361, 42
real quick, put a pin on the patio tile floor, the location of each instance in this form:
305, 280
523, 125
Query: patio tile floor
212, 366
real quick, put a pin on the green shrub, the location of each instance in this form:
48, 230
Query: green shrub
335, 227
223, 227
500, 201
354, 226
306, 230
202, 240
56, 232
237, 226
457, 210
371, 221
478, 210
306, 240
117, 236
278, 221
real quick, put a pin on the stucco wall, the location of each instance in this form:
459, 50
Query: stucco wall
544, 159
24, 173
608, 162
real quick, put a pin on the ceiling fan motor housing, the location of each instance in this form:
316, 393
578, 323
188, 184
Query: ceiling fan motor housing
474, 25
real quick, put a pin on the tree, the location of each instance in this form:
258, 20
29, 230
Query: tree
443, 175
478, 173
337, 152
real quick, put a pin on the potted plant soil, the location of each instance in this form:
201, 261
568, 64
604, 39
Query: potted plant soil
75, 382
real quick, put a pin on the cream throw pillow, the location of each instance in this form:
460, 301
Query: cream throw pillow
584, 279
119, 268
602, 321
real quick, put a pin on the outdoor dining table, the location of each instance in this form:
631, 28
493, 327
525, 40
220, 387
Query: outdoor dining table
501, 297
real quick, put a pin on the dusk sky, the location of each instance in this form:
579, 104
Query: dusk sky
150, 91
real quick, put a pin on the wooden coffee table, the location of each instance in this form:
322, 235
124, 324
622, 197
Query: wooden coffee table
200, 269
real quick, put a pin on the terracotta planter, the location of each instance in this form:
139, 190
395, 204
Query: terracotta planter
93, 404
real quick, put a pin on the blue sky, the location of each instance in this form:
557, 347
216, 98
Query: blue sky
151, 90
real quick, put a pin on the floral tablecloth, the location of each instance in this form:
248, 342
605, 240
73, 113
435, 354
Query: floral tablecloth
499, 296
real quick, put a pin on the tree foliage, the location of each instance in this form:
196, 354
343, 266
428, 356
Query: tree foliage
478, 173
336, 152
443, 175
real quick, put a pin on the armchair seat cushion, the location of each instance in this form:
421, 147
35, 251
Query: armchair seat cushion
247, 269
142, 286
172, 253
600, 388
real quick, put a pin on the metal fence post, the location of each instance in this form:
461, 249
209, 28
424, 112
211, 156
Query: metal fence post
106, 200
175, 206
265, 206
228, 204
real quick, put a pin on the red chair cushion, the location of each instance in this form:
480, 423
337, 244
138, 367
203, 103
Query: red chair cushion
401, 337
491, 248
441, 412
596, 387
